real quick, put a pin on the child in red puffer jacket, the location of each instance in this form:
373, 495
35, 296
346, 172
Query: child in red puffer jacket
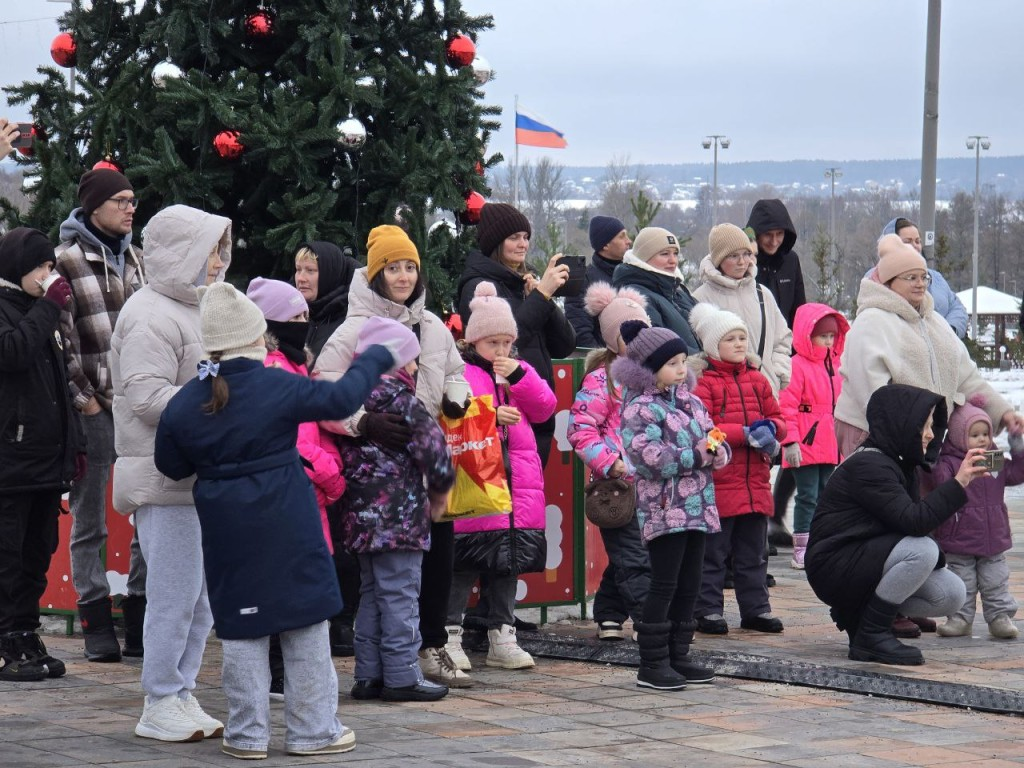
740, 401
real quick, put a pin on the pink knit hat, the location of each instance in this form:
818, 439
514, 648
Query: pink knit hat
613, 308
896, 257
277, 300
964, 417
400, 341
490, 315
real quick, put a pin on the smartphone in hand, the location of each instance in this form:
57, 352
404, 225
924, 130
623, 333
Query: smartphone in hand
25, 136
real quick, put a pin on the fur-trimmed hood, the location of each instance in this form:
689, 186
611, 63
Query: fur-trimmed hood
636, 380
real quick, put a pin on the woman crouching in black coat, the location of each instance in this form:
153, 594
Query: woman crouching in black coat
869, 554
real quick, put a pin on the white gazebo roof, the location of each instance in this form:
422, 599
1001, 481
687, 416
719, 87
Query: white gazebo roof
990, 301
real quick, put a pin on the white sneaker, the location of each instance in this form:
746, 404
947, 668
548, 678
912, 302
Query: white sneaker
610, 630
166, 719
955, 626
1003, 628
504, 651
211, 726
439, 667
346, 742
454, 648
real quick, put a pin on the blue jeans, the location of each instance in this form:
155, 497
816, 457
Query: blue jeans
310, 690
810, 482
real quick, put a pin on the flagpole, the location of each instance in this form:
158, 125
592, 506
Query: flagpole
515, 167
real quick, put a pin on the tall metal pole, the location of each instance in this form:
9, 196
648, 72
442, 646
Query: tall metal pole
930, 132
974, 256
709, 142
515, 167
714, 215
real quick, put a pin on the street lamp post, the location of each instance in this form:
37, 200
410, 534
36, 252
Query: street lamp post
977, 143
833, 174
715, 140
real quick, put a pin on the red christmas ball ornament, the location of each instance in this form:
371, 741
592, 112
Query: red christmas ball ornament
259, 25
64, 50
459, 52
479, 168
474, 206
108, 164
227, 145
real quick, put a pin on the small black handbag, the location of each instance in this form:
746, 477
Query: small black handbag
609, 502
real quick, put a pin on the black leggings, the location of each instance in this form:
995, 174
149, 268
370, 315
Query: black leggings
676, 561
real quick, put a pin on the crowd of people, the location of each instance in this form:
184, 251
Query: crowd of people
281, 453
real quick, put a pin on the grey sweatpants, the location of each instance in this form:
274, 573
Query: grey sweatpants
88, 505
310, 690
991, 577
178, 617
911, 580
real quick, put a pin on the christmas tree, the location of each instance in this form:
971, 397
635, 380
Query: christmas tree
299, 120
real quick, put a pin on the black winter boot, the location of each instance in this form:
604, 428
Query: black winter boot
14, 667
875, 640
133, 609
98, 628
343, 637
655, 670
33, 650
678, 651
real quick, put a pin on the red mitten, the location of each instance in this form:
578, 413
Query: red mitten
59, 292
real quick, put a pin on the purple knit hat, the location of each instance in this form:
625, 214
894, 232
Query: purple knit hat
400, 341
277, 300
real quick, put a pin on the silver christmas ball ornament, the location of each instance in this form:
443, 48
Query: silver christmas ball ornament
351, 133
164, 71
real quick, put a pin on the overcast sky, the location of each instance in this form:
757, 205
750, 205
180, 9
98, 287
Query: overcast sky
783, 79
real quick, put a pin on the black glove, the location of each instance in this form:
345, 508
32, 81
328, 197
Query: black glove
388, 430
453, 410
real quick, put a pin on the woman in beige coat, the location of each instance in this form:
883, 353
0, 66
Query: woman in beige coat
728, 281
391, 285
155, 348
898, 338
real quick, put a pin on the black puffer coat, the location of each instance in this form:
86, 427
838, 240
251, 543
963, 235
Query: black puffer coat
39, 429
872, 502
587, 327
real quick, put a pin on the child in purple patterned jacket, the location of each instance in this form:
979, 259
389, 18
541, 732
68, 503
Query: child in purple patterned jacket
386, 510
665, 437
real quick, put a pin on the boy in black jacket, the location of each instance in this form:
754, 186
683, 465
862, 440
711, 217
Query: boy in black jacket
39, 438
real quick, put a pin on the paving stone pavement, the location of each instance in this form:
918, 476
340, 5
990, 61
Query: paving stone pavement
572, 713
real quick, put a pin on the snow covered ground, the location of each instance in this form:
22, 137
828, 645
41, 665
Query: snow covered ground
1010, 384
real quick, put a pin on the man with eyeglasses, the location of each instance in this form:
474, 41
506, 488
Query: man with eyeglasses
96, 257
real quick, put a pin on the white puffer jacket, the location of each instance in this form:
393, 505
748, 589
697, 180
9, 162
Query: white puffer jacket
439, 359
156, 346
890, 342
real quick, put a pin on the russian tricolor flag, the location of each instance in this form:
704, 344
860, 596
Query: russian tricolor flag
531, 131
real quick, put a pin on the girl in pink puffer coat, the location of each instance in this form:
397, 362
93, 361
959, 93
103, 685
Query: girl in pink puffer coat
286, 313
499, 546
808, 405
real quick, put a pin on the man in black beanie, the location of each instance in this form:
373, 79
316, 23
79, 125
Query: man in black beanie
96, 257
610, 241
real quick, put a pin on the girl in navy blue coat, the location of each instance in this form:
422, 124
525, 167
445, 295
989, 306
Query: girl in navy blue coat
268, 570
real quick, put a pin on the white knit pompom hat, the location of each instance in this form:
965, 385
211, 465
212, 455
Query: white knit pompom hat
230, 322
